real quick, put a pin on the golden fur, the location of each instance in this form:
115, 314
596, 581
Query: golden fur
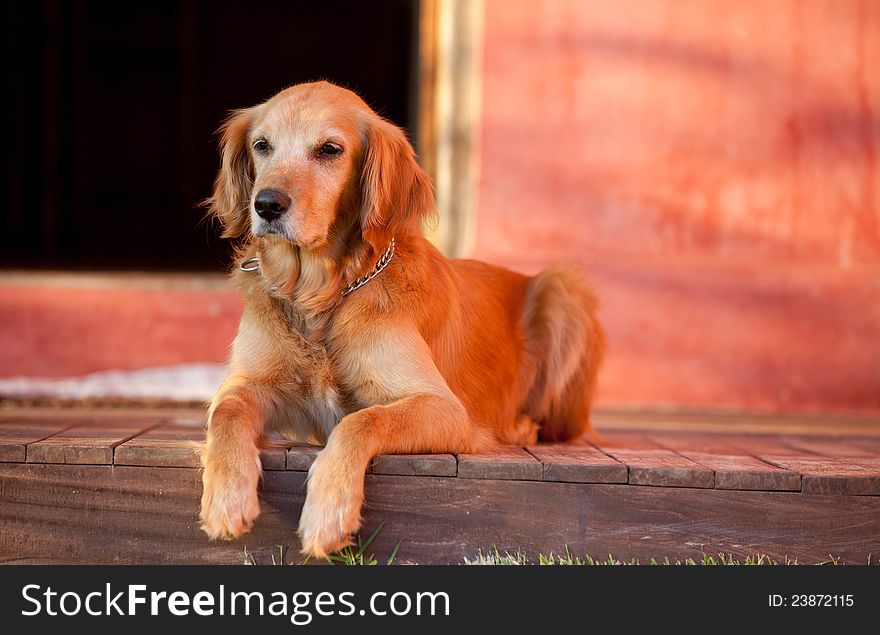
433, 355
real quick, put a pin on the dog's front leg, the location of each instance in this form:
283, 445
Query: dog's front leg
231, 459
419, 423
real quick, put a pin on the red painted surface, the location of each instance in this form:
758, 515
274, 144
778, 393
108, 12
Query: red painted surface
709, 338
718, 163
48, 331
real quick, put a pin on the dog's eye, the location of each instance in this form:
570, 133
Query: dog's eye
329, 150
261, 146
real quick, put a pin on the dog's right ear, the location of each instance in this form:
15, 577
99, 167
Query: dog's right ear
231, 200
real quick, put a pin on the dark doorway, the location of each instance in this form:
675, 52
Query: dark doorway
112, 108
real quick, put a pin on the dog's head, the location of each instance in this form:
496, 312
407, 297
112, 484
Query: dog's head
315, 165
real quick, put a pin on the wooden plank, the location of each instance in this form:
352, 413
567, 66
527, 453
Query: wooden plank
641, 522
831, 446
23, 417
819, 474
415, 465
633, 441
831, 476
505, 462
179, 445
169, 445
733, 467
578, 463
150, 515
651, 464
87, 444
102, 514
663, 469
761, 445
273, 456
16, 434
746, 473
857, 480
721, 444
300, 457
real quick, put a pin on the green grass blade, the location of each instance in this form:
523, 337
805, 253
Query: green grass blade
360, 552
393, 553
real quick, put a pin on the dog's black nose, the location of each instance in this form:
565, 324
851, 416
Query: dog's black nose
270, 204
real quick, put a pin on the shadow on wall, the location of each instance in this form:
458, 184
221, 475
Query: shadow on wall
716, 166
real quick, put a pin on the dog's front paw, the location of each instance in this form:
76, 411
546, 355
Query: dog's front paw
229, 496
331, 513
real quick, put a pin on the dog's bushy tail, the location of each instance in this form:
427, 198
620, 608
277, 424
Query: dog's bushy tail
565, 344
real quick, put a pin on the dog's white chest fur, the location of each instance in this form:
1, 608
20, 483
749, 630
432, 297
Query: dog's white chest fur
307, 401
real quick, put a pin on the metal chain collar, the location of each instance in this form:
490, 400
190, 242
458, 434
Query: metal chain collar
380, 265
253, 264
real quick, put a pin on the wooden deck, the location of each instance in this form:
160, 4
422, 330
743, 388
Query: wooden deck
124, 487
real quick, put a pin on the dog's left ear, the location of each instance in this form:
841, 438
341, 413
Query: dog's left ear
396, 193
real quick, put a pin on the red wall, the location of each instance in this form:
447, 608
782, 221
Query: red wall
715, 164
52, 330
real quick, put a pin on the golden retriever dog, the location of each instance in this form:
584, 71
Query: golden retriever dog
357, 333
